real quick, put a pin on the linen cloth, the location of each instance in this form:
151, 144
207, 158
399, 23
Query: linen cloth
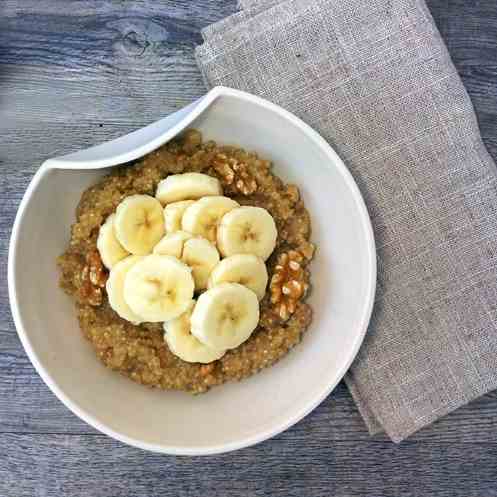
376, 80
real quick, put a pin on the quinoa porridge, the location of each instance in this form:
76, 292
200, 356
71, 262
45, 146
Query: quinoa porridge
139, 351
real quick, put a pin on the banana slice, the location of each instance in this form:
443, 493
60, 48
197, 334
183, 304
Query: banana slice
115, 288
172, 244
187, 186
202, 218
246, 269
111, 251
201, 255
247, 230
158, 288
225, 316
184, 345
139, 223
173, 213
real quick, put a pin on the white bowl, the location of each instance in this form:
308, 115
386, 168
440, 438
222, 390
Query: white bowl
234, 415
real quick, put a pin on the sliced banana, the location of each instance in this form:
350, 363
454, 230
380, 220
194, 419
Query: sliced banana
173, 213
159, 288
225, 316
247, 230
139, 223
203, 217
111, 251
201, 255
184, 345
115, 288
246, 269
187, 186
172, 244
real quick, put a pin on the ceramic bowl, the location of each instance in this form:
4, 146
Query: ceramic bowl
234, 415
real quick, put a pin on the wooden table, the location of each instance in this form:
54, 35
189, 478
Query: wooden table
76, 73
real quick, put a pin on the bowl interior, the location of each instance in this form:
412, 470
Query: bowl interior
235, 414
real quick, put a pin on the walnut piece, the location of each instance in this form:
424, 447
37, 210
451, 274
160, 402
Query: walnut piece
235, 174
288, 283
97, 273
93, 278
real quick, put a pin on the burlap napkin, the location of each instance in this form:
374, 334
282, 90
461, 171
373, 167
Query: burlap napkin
375, 79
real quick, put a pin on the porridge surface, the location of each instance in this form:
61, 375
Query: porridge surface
140, 352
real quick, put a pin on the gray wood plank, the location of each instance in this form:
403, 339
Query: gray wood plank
294, 464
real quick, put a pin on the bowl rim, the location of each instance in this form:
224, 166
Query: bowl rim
328, 386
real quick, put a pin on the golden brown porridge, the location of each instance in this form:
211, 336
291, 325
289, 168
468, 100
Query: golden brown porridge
139, 351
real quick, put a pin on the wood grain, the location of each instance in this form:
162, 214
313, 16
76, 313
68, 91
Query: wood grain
76, 73
295, 463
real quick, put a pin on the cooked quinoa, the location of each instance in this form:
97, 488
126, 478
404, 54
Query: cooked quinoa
139, 352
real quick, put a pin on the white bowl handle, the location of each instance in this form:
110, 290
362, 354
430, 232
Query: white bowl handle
135, 144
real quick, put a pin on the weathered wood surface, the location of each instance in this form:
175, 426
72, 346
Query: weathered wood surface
75, 73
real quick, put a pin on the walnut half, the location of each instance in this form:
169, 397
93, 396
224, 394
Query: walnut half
234, 174
93, 278
288, 283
